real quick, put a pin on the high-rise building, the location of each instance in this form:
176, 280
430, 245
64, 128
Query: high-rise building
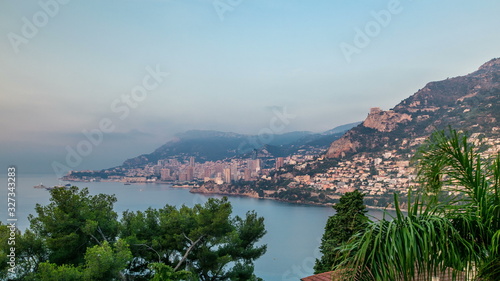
206, 173
255, 165
191, 161
227, 175
165, 174
280, 161
156, 170
183, 176
190, 173
247, 175
234, 171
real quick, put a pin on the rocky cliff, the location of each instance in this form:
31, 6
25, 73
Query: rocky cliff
385, 121
470, 102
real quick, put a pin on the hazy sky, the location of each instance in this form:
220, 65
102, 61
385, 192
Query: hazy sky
73, 66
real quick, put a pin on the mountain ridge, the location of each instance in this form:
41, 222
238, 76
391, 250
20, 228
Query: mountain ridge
469, 102
210, 145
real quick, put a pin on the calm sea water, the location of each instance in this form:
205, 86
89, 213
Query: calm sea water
293, 231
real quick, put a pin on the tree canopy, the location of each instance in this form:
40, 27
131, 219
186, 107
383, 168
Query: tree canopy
349, 219
204, 240
77, 236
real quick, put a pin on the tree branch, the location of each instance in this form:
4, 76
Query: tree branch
98, 242
151, 248
188, 250
102, 234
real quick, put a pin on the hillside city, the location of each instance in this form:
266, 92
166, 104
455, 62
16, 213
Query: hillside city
375, 174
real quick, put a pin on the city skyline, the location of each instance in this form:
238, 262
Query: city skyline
142, 71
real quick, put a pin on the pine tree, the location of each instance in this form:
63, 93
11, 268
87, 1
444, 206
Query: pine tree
349, 219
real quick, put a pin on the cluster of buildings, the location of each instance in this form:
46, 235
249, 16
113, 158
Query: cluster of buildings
372, 175
379, 174
220, 172
188, 170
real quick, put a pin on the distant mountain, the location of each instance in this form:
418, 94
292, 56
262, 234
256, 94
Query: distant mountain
207, 145
288, 138
322, 140
203, 145
341, 129
470, 102
206, 134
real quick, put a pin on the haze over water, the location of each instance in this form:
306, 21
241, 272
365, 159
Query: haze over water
73, 64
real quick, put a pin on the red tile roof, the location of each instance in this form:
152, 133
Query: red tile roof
447, 275
326, 276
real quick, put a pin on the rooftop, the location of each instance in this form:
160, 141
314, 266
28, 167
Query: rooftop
326, 276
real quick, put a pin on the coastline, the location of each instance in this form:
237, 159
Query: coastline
202, 190
225, 193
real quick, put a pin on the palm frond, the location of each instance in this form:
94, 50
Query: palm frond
452, 223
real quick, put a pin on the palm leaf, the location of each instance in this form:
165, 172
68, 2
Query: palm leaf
452, 223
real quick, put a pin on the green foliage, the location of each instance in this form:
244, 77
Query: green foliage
103, 262
73, 221
76, 237
31, 251
490, 269
453, 224
4, 250
164, 272
204, 239
294, 194
349, 220
243, 272
53, 272
417, 242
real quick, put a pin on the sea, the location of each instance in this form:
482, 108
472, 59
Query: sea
293, 236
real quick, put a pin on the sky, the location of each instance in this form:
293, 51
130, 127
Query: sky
89, 84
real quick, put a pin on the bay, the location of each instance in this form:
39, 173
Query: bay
293, 231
